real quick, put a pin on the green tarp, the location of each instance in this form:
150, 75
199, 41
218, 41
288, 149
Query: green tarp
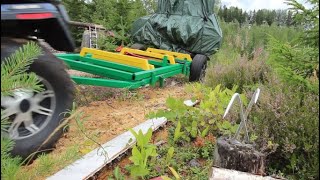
187, 26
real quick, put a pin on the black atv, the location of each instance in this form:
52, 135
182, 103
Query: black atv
35, 116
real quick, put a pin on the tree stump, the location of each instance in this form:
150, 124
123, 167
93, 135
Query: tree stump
231, 154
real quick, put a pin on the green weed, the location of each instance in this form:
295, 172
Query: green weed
141, 153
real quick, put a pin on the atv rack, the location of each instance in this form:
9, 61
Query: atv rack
130, 68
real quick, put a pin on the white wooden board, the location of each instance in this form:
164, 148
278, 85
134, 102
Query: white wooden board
92, 162
227, 174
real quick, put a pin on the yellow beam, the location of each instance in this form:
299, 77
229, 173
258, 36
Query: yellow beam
148, 54
174, 54
118, 58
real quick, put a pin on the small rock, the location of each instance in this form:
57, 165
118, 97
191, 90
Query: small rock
190, 103
194, 163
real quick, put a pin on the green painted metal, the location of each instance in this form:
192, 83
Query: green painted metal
108, 82
157, 71
122, 76
158, 63
98, 70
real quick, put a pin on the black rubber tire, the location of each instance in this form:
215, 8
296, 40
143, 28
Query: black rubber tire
138, 46
198, 68
53, 70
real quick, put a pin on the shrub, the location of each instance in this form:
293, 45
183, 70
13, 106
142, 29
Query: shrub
202, 119
287, 124
241, 72
285, 121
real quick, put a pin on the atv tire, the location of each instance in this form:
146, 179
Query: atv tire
55, 80
198, 68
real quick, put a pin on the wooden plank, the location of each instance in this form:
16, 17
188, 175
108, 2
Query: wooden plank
117, 58
94, 161
175, 54
147, 54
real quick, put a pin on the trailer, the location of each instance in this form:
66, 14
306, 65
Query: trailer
133, 68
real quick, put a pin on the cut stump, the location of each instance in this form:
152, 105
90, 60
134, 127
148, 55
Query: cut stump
231, 154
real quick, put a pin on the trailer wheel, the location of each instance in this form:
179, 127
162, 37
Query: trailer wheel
138, 46
33, 117
198, 68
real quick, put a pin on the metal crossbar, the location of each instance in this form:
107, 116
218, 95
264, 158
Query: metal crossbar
243, 115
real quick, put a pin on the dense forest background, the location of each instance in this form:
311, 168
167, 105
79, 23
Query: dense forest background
107, 13
118, 15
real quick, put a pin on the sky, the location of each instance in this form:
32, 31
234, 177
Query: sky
256, 4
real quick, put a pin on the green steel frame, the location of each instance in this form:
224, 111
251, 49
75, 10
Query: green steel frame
122, 76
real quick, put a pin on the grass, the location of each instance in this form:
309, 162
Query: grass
48, 164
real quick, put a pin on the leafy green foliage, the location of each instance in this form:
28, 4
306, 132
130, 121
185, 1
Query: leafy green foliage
227, 128
117, 174
177, 132
207, 151
110, 43
169, 155
202, 119
115, 15
141, 153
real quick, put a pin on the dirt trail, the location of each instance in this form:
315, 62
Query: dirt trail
113, 116
114, 113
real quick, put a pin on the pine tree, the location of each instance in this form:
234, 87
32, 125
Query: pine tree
309, 18
13, 78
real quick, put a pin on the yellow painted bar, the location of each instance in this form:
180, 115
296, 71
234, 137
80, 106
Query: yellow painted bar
175, 54
118, 58
148, 54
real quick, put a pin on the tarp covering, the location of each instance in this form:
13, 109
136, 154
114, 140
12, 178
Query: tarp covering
187, 26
